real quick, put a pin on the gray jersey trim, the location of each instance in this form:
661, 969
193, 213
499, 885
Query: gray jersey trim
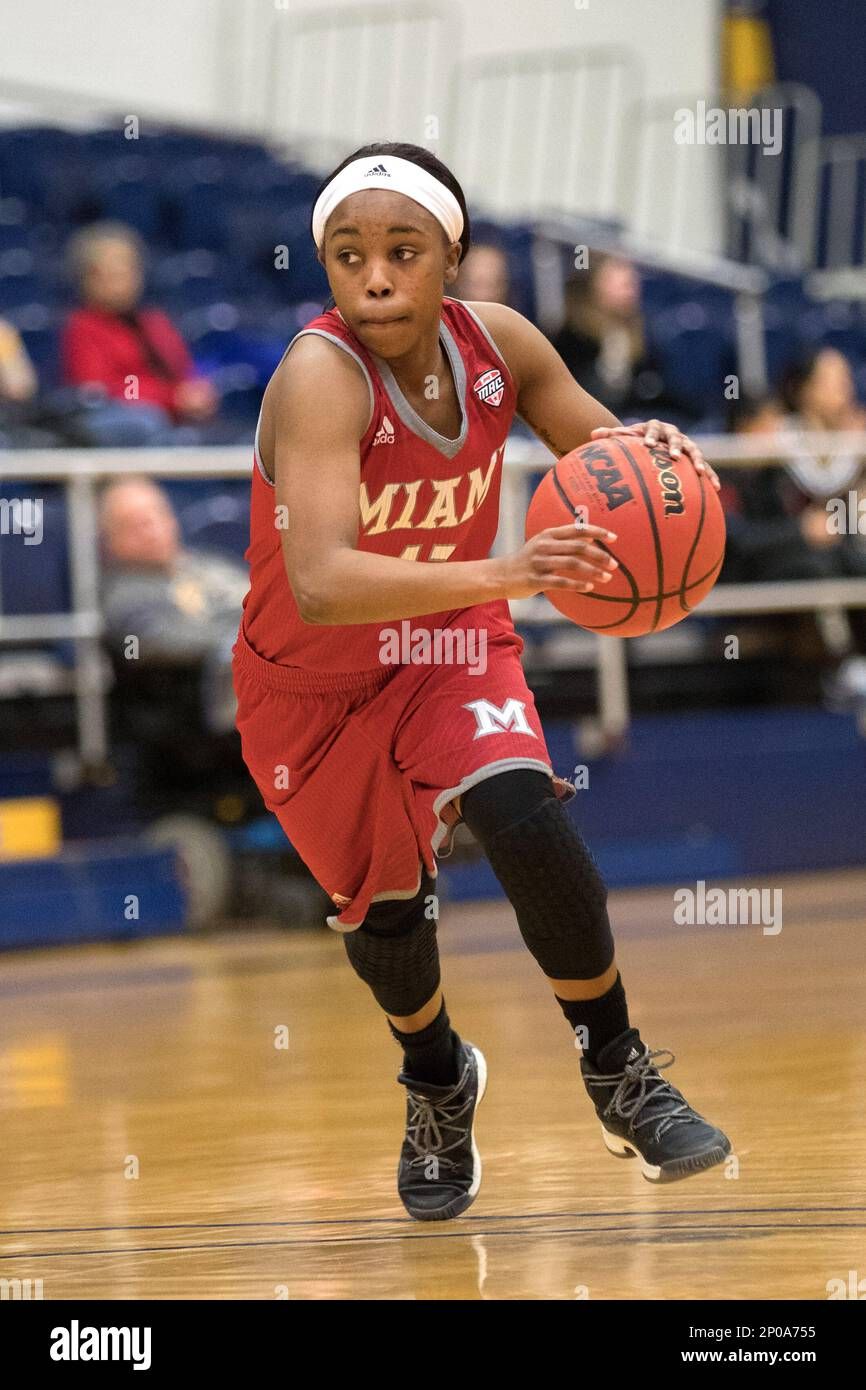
444, 833
409, 415
442, 836
486, 331
319, 333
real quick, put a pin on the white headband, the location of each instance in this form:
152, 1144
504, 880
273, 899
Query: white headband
400, 175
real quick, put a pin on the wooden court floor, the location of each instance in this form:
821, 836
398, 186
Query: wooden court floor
158, 1144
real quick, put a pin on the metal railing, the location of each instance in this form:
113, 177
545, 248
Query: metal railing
839, 165
771, 200
747, 284
340, 77
80, 471
533, 133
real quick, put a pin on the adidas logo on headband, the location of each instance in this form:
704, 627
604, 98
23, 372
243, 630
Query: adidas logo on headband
405, 177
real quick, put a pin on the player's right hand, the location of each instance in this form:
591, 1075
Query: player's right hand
562, 557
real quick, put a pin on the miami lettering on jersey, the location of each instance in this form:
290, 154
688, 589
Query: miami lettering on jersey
427, 504
422, 496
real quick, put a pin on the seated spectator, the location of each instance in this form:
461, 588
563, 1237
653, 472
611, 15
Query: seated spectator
783, 528
18, 388
17, 377
132, 355
603, 340
819, 394
30, 418
181, 606
779, 525
484, 275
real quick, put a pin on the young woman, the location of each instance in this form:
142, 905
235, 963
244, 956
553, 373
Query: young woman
374, 505
603, 340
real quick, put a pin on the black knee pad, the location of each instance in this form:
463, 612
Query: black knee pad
548, 873
497, 802
395, 951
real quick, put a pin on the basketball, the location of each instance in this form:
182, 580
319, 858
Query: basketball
669, 525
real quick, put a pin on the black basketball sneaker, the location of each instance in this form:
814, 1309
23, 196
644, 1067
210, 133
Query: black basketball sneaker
440, 1167
643, 1116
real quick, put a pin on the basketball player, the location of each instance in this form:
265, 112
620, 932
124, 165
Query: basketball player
375, 495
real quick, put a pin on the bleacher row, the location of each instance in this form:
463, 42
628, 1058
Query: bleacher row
213, 212
34, 579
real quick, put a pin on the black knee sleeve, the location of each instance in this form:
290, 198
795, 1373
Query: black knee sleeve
395, 951
547, 871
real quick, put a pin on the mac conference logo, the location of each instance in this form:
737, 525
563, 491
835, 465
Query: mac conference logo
490, 387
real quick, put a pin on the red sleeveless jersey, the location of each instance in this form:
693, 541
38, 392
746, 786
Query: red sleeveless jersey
422, 497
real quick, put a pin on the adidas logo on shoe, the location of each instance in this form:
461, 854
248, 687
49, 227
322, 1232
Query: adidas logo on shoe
385, 432
643, 1116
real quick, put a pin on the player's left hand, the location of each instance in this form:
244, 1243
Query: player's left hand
654, 431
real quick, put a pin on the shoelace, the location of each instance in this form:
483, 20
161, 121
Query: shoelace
642, 1073
428, 1119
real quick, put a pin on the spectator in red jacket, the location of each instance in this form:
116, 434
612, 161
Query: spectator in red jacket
133, 355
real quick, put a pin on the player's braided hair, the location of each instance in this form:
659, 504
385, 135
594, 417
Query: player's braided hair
425, 160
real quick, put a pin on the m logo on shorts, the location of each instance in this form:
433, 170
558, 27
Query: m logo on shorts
491, 719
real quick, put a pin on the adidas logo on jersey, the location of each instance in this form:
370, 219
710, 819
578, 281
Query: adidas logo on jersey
385, 432
489, 386
377, 169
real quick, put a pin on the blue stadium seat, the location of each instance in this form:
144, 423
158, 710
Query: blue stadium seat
40, 329
219, 522
19, 276
34, 578
200, 196
696, 352
783, 341
129, 192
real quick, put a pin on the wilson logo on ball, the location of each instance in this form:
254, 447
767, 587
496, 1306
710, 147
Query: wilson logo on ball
490, 387
672, 492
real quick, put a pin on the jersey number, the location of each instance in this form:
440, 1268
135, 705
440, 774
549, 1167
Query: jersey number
437, 552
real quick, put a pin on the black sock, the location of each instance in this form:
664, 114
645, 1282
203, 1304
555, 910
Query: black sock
603, 1018
431, 1054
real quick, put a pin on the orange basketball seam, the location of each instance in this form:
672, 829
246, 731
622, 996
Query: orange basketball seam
690, 556
657, 545
654, 598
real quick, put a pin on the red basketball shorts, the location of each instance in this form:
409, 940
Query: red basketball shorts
360, 768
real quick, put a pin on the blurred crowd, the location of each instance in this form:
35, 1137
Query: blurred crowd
779, 525
128, 377
807, 519
129, 380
